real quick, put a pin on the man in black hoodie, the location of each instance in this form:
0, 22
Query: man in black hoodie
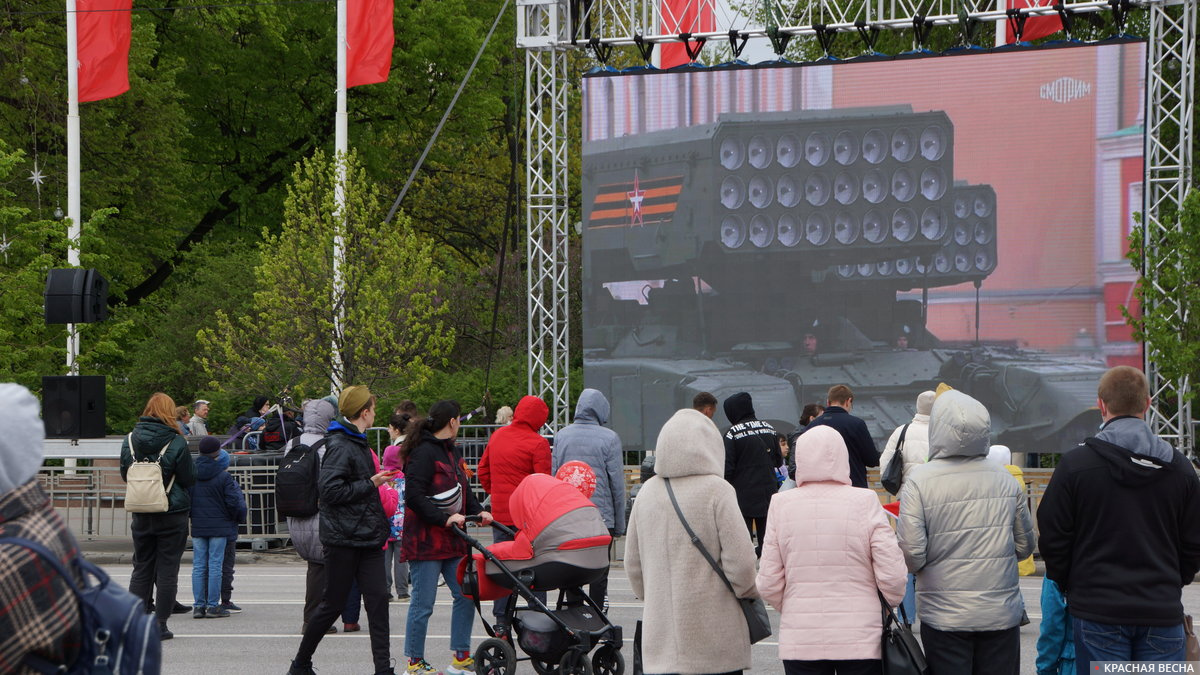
751, 455
1120, 532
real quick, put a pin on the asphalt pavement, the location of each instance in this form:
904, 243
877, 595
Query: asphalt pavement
269, 586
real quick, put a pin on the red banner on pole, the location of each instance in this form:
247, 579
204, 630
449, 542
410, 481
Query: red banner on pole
683, 16
103, 29
369, 41
1035, 26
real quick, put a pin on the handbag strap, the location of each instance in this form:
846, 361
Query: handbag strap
889, 615
696, 540
900, 443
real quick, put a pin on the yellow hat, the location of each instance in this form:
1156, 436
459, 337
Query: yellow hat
353, 399
943, 388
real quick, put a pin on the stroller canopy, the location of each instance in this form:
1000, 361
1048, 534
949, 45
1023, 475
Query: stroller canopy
551, 516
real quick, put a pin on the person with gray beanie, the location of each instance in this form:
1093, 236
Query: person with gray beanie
44, 624
916, 439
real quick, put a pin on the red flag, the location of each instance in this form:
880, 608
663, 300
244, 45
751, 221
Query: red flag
102, 30
369, 41
1035, 26
683, 16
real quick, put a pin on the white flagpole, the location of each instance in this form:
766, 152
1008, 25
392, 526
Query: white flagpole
341, 144
72, 171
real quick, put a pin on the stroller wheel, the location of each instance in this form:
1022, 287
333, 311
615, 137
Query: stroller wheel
574, 663
608, 661
495, 657
544, 668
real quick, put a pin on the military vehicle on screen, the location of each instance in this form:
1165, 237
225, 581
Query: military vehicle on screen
783, 253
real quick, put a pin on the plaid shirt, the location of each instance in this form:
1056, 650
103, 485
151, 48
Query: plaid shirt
38, 612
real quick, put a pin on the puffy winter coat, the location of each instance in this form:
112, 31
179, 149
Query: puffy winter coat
306, 532
218, 504
916, 445
149, 437
964, 524
350, 508
692, 623
434, 466
751, 455
514, 452
828, 547
589, 442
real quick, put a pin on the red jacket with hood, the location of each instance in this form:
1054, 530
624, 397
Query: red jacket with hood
514, 452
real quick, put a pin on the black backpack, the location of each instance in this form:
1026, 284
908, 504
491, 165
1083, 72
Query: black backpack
296, 481
116, 633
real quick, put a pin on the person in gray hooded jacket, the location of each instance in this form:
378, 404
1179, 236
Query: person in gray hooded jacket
588, 441
318, 413
964, 524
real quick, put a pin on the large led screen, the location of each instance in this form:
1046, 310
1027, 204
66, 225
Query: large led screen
890, 225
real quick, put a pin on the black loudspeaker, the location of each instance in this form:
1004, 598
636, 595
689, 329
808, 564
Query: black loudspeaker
76, 296
73, 406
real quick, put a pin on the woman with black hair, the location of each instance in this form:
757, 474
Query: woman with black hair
438, 497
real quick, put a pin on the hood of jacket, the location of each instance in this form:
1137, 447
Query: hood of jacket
1128, 469
532, 412
689, 445
1133, 434
318, 413
739, 408
150, 435
209, 466
959, 426
592, 408
21, 448
1000, 454
821, 456
347, 428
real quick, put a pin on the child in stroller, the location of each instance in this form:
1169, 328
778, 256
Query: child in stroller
561, 544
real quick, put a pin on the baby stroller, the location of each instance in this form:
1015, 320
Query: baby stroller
562, 544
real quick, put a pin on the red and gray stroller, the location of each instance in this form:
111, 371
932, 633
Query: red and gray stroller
561, 544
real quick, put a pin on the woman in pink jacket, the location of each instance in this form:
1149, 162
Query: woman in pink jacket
828, 552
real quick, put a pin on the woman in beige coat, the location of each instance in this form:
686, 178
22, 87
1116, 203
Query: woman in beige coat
686, 603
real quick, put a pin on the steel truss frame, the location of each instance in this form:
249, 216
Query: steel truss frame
548, 29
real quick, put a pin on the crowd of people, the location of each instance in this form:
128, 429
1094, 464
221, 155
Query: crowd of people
758, 514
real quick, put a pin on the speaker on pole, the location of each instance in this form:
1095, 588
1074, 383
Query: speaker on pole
75, 296
73, 406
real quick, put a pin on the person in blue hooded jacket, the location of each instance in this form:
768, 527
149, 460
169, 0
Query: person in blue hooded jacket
588, 441
218, 505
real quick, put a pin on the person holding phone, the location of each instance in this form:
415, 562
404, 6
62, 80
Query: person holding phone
437, 498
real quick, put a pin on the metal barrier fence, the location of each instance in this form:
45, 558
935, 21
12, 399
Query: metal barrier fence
91, 499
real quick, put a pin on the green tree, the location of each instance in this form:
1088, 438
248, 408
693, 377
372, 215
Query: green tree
1175, 253
392, 299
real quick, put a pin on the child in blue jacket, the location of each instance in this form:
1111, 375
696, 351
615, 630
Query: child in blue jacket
1055, 644
218, 505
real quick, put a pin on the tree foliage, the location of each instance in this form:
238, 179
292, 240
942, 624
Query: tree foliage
1174, 253
393, 329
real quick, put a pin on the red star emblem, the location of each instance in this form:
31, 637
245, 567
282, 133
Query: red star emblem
635, 202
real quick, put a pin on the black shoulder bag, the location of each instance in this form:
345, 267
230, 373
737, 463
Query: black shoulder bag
901, 652
757, 621
893, 473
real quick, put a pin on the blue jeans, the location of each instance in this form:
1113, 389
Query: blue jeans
208, 554
909, 603
423, 576
1108, 642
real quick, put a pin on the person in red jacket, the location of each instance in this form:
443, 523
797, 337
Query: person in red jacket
512, 453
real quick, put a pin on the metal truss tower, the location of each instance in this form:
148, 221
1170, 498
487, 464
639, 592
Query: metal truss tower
541, 32
1170, 104
547, 29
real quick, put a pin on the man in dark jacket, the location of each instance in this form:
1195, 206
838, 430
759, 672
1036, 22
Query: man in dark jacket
512, 453
353, 529
1120, 532
854, 431
588, 441
39, 615
751, 455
